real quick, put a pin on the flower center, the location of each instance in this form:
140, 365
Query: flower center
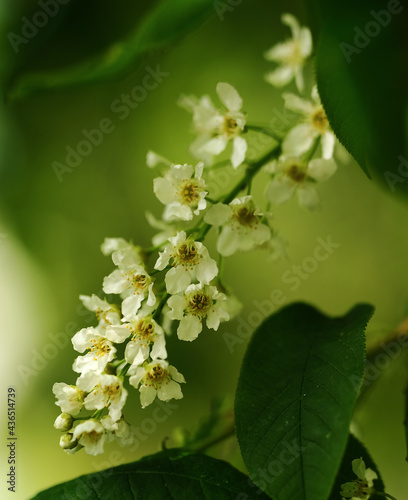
199, 304
139, 281
100, 347
229, 126
93, 436
111, 391
296, 173
295, 56
144, 329
246, 216
156, 376
187, 254
189, 192
319, 121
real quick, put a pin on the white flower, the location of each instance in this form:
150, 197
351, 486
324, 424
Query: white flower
91, 435
190, 261
119, 431
198, 302
362, 487
215, 128
315, 125
106, 314
147, 339
101, 350
104, 391
70, 398
131, 281
291, 55
112, 245
157, 378
242, 225
293, 175
182, 190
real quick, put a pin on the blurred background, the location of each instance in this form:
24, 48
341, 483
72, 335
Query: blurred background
52, 226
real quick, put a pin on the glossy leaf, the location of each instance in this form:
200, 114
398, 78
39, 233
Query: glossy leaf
295, 397
174, 474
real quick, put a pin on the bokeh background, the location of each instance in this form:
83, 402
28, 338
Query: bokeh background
51, 231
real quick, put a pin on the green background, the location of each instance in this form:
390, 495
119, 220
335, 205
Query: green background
51, 231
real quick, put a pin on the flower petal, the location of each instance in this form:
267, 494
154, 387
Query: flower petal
177, 279
172, 390
299, 139
308, 198
229, 96
280, 190
218, 214
189, 328
321, 169
147, 395
238, 152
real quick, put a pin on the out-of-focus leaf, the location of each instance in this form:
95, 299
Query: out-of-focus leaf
362, 70
164, 25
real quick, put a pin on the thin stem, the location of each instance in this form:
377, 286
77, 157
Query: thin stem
159, 309
251, 171
387, 495
124, 370
265, 131
216, 440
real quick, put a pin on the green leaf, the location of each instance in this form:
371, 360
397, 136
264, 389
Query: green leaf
361, 77
171, 474
355, 449
295, 397
164, 25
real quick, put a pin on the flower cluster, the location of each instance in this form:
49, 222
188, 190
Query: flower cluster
176, 286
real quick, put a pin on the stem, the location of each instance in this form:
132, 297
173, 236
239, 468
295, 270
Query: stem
159, 309
387, 495
250, 173
124, 370
216, 440
265, 131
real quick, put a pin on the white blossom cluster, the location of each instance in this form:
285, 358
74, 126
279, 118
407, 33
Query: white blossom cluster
176, 285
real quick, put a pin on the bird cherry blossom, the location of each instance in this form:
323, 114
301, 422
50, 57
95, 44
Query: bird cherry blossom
291, 55
157, 378
182, 190
215, 128
190, 260
294, 175
241, 225
198, 302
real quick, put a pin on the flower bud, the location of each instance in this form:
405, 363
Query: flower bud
64, 422
67, 442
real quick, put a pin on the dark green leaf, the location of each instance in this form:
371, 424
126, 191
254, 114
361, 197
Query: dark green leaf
361, 73
296, 392
171, 474
164, 25
355, 449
